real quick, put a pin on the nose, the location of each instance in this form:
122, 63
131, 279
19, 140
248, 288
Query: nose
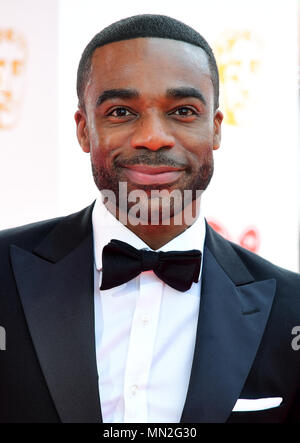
151, 132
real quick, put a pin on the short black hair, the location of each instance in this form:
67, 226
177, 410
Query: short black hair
145, 25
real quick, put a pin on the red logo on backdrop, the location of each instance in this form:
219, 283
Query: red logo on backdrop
248, 239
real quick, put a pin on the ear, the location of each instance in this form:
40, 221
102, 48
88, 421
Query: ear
82, 130
218, 118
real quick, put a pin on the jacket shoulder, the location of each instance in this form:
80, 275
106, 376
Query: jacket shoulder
237, 260
65, 230
27, 236
262, 269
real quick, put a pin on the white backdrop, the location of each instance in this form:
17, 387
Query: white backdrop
254, 195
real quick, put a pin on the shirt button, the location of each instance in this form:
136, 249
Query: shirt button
134, 389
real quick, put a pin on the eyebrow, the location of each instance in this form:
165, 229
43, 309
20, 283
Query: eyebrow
181, 92
117, 93
185, 92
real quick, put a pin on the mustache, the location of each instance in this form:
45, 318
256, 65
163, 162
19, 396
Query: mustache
157, 159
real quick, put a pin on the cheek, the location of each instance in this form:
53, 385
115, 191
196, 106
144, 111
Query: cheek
198, 148
104, 146
197, 136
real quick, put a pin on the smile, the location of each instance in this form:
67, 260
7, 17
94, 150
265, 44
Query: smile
150, 175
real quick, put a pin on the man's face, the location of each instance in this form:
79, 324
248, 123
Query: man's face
149, 116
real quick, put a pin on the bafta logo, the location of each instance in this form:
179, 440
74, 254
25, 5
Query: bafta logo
238, 58
13, 56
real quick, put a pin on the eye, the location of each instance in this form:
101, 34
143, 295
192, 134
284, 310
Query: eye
120, 112
184, 111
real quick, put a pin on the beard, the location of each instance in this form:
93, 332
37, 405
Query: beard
195, 180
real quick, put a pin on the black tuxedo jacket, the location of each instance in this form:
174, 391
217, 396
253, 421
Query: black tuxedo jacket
48, 371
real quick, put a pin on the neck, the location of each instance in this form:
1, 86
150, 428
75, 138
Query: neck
157, 235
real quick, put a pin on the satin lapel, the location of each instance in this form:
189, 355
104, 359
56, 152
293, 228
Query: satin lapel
232, 319
57, 297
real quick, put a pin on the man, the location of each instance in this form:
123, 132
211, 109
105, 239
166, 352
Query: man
134, 309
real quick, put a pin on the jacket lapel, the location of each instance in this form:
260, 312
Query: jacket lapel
55, 283
233, 314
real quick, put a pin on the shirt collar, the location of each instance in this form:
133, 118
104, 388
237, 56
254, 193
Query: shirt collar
107, 227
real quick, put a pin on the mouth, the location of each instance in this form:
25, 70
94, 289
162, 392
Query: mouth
151, 175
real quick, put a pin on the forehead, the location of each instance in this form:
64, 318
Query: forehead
148, 61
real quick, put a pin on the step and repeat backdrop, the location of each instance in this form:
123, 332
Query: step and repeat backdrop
253, 198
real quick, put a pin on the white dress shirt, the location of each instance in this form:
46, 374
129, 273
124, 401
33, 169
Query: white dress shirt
145, 332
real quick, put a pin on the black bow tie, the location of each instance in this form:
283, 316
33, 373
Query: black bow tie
122, 262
